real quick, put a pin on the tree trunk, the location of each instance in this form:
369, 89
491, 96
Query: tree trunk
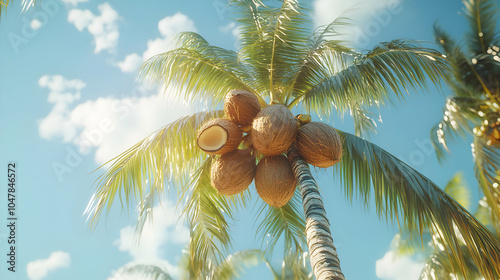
323, 255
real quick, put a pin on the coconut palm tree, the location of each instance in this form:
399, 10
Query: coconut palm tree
474, 107
281, 61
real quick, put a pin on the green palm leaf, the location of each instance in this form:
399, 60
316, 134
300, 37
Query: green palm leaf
233, 266
197, 71
482, 20
207, 214
271, 41
401, 193
141, 172
487, 166
149, 271
394, 66
287, 220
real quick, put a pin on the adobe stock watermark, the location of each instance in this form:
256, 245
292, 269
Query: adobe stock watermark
379, 20
29, 29
418, 156
95, 137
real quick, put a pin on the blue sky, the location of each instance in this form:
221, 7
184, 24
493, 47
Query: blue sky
69, 102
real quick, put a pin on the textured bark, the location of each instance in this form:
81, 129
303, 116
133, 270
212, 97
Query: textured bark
324, 259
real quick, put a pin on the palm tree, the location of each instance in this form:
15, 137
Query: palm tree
439, 266
474, 107
280, 60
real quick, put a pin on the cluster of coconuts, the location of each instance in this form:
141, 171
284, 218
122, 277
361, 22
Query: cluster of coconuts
490, 131
249, 133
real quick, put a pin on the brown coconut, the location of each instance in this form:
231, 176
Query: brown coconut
233, 172
219, 136
274, 180
241, 106
273, 130
319, 144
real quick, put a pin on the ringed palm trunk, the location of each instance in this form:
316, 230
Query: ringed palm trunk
323, 255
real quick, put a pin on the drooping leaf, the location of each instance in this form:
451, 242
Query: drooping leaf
403, 194
142, 171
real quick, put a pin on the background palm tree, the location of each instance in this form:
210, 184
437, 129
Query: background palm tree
25, 3
280, 60
474, 107
438, 264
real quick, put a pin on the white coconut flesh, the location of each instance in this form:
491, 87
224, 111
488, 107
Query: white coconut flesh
213, 138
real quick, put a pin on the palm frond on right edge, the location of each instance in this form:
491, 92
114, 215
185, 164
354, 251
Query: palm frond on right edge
401, 193
487, 168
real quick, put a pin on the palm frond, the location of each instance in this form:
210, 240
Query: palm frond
441, 267
208, 215
460, 117
197, 72
271, 41
481, 15
461, 80
396, 66
323, 42
233, 266
141, 172
457, 188
148, 271
404, 195
487, 166
295, 265
287, 220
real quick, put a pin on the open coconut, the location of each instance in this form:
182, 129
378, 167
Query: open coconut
233, 172
219, 136
319, 144
274, 180
273, 130
241, 106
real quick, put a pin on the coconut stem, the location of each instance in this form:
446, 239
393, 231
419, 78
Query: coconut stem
323, 255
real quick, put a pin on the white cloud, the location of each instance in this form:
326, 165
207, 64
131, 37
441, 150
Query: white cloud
155, 235
36, 24
168, 27
109, 125
131, 63
73, 3
154, 241
103, 27
39, 269
369, 17
63, 92
230, 28
393, 267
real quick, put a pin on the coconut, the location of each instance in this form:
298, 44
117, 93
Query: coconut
493, 136
319, 144
219, 136
233, 172
273, 130
241, 106
274, 180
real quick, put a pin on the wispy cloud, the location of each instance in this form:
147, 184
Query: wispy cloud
39, 269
